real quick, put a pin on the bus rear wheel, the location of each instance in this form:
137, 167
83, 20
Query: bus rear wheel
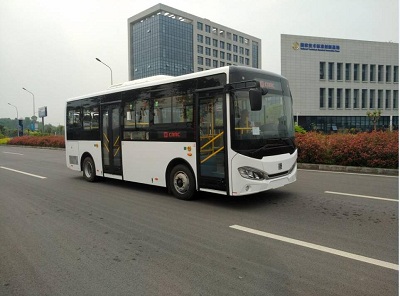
182, 182
89, 169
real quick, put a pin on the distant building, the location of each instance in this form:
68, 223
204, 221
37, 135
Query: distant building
165, 41
334, 82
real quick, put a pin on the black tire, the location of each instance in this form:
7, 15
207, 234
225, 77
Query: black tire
89, 169
182, 183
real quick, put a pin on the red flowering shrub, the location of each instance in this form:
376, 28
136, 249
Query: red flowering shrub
312, 148
376, 149
41, 141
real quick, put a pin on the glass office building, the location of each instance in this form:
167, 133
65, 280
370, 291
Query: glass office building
335, 82
165, 41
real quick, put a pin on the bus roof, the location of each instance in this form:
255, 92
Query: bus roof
164, 79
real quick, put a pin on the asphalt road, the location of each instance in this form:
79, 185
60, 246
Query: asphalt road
326, 234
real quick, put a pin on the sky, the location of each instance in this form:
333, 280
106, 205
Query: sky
50, 47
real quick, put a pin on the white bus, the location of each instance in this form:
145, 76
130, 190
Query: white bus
227, 131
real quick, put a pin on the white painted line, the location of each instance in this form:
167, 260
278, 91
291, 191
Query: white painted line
347, 173
13, 153
24, 173
318, 247
363, 196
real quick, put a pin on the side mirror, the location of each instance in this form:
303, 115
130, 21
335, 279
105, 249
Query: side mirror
255, 96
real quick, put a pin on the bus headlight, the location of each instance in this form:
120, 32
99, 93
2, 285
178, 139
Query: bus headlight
251, 173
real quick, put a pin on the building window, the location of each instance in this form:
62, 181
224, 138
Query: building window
208, 62
330, 98
208, 29
241, 50
221, 64
356, 99
214, 30
229, 35
396, 74
356, 72
364, 96
372, 99
330, 71
339, 74
395, 99
388, 73
208, 40
348, 72
229, 46
247, 52
347, 98
208, 51
380, 99
235, 48
215, 53
235, 58
229, 56
235, 37
364, 71
200, 60
199, 26
222, 44
222, 55
199, 38
339, 95
199, 49
241, 39
215, 42
380, 73
388, 100
322, 70
215, 64
322, 98
372, 72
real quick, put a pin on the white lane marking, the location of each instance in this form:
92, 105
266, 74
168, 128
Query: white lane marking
318, 247
363, 196
347, 173
13, 153
24, 173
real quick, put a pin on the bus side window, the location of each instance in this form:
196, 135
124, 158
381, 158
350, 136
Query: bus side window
162, 110
74, 117
129, 114
90, 118
182, 107
142, 113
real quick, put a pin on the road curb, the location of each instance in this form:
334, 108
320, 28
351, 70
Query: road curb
348, 169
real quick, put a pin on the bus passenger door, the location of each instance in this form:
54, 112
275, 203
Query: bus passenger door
211, 142
111, 139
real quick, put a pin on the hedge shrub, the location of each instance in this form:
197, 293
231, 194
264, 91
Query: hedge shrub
41, 141
375, 149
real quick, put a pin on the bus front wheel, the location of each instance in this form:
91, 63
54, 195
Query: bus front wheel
182, 182
89, 169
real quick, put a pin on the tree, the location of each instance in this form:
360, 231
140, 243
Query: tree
374, 117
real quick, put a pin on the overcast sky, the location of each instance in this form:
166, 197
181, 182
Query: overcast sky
49, 46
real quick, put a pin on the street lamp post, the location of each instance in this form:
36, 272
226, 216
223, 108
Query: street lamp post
33, 99
97, 59
16, 109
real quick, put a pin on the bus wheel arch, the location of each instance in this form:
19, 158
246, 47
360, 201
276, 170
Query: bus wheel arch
88, 167
180, 179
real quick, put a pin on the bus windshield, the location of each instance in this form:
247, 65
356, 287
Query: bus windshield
272, 125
